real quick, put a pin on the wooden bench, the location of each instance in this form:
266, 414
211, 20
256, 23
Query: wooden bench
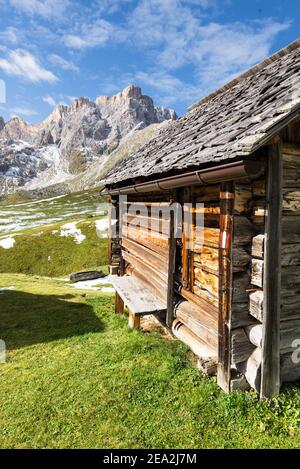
138, 297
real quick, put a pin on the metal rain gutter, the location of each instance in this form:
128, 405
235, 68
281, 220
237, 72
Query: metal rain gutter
238, 170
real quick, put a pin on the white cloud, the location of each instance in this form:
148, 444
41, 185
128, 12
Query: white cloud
224, 51
23, 111
22, 63
49, 100
166, 88
90, 35
45, 8
62, 63
10, 34
111, 6
175, 34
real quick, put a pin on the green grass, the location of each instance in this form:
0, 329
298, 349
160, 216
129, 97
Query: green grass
76, 377
42, 251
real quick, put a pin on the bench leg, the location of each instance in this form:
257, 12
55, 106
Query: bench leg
133, 321
119, 304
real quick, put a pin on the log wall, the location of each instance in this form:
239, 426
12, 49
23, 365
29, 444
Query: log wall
247, 260
199, 284
144, 250
145, 242
290, 264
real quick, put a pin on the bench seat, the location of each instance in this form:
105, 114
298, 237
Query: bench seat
138, 297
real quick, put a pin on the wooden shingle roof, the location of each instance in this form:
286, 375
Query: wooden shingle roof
228, 124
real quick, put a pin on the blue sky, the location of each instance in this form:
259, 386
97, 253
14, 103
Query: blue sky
176, 50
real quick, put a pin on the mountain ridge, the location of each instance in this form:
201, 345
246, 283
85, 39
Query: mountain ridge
73, 138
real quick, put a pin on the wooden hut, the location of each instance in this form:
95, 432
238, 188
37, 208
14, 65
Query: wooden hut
229, 288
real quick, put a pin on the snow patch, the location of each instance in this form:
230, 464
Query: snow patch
2, 289
36, 201
7, 243
102, 227
69, 229
54, 174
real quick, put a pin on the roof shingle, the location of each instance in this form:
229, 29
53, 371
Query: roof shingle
232, 122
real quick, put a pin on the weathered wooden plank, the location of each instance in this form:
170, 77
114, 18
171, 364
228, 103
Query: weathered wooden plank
171, 270
208, 257
206, 236
258, 214
155, 226
137, 296
290, 306
251, 368
270, 371
243, 194
142, 266
157, 243
290, 367
152, 282
146, 254
119, 304
254, 334
241, 283
256, 304
240, 315
205, 305
290, 254
257, 272
114, 250
206, 281
225, 284
257, 248
289, 333
205, 295
240, 259
290, 201
293, 149
199, 322
241, 347
186, 237
134, 320
291, 229
290, 278
259, 188
206, 193
200, 348
243, 231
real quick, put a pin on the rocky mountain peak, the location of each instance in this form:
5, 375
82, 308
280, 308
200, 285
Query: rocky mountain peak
83, 132
130, 91
2, 123
80, 102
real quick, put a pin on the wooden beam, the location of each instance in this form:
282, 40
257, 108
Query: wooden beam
270, 372
186, 234
115, 252
134, 321
225, 284
119, 304
171, 268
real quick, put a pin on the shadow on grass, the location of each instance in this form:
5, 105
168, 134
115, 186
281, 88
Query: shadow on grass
27, 319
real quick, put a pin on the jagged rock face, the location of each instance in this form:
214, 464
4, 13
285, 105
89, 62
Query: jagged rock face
86, 130
18, 129
2, 123
20, 162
